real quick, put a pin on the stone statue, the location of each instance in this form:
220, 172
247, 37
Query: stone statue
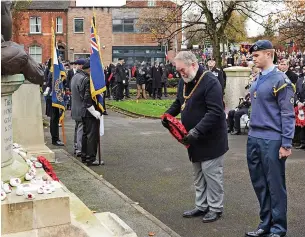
14, 60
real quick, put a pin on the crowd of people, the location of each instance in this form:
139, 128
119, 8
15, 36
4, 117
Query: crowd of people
273, 100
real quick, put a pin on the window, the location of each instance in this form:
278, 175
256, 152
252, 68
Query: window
124, 25
78, 25
35, 25
81, 55
59, 25
117, 25
151, 3
129, 25
36, 53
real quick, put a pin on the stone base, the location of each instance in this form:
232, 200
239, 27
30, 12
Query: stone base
46, 210
67, 230
40, 150
15, 170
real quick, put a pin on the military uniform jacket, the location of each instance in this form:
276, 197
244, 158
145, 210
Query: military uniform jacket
203, 111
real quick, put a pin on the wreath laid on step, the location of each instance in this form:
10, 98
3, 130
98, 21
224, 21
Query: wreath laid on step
47, 167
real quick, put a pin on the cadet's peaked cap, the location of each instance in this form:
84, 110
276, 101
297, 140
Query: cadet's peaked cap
86, 65
261, 45
80, 61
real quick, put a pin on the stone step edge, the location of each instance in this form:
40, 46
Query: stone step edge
109, 221
116, 224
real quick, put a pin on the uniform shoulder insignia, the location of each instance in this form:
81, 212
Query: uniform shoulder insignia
287, 80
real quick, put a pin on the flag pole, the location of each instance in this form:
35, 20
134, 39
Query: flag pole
63, 131
99, 143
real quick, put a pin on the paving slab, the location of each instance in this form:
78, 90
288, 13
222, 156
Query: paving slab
145, 163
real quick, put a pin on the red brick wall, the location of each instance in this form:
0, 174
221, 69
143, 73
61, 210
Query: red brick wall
79, 43
21, 30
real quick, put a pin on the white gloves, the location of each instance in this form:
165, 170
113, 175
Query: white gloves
300, 105
94, 112
46, 92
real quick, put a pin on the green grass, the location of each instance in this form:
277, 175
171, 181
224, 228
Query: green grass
154, 108
171, 91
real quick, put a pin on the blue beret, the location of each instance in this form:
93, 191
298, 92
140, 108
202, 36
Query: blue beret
80, 61
261, 45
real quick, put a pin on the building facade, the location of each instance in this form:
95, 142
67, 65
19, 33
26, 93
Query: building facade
32, 28
118, 32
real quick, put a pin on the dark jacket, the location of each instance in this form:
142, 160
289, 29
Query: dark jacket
292, 76
140, 75
156, 73
219, 74
69, 78
86, 98
203, 111
120, 74
300, 90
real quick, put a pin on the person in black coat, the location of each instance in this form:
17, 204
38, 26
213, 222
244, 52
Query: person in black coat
120, 77
199, 100
300, 103
156, 74
217, 72
284, 67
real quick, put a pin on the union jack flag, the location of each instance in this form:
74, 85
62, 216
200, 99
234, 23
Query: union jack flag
97, 76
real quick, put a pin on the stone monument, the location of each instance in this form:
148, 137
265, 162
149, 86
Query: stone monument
237, 79
12, 165
27, 121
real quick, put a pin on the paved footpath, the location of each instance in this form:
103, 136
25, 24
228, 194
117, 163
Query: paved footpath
145, 163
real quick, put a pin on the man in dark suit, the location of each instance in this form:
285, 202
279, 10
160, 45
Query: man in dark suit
216, 71
120, 78
284, 67
71, 73
199, 100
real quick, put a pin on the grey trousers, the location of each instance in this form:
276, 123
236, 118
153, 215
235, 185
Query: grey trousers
78, 135
208, 181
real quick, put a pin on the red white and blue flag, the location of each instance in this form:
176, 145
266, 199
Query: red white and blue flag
97, 76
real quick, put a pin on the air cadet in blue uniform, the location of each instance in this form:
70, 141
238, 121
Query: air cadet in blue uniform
270, 139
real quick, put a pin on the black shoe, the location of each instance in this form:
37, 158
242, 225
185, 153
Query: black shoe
58, 143
95, 163
229, 130
302, 146
236, 133
211, 216
258, 233
276, 235
194, 213
105, 113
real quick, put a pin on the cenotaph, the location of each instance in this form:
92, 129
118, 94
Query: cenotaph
12, 165
237, 79
27, 121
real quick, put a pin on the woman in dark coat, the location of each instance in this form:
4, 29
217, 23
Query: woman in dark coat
140, 74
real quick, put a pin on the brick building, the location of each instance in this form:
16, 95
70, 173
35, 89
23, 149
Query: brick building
117, 29
32, 28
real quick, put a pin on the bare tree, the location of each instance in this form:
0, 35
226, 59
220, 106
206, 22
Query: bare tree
209, 18
291, 22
